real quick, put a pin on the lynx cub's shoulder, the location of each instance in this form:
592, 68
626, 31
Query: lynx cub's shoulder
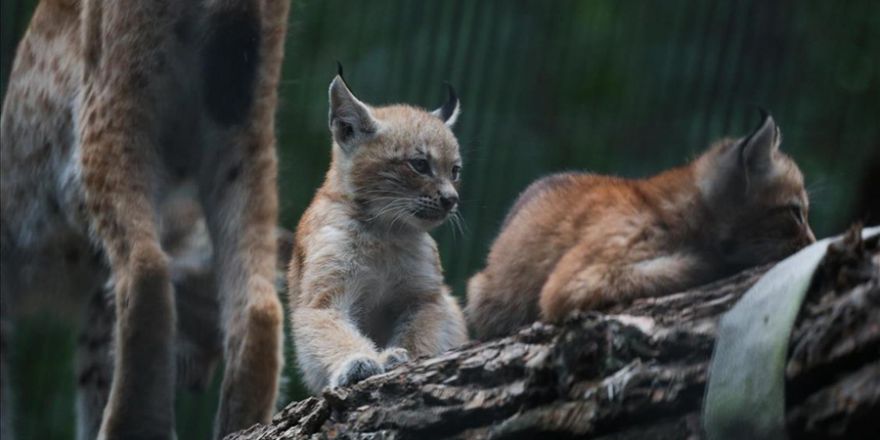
366, 286
582, 241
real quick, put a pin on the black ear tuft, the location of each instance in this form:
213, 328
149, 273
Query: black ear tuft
766, 119
451, 101
340, 75
756, 150
449, 109
766, 126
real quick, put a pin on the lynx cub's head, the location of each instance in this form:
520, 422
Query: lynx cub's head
756, 195
400, 164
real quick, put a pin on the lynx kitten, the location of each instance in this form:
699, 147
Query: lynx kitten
365, 278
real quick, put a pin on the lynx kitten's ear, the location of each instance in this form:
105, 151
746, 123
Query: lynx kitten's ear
752, 156
450, 110
757, 149
351, 121
744, 163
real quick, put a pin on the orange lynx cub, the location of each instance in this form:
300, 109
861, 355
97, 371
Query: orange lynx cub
365, 281
584, 241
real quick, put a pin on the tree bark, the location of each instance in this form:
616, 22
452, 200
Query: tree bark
634, 371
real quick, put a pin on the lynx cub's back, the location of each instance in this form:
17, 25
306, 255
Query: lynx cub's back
365, 281
582, 241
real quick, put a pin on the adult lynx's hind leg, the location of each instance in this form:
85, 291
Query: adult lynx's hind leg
117, 124
241, 62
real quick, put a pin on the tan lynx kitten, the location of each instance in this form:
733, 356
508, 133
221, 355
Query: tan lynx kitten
365, 279
111, 105
583, 241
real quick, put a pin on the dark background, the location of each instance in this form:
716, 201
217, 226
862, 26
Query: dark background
618, 87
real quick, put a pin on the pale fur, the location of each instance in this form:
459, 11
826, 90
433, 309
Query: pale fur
111, 105
582, 241
366, 287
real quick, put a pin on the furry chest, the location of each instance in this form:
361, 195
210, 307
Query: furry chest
389, 273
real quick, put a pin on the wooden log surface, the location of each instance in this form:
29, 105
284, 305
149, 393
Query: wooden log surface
633, 371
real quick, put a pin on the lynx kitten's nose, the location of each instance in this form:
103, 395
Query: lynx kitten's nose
449, 201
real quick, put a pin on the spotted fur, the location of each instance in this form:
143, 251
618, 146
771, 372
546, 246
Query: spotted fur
110, 106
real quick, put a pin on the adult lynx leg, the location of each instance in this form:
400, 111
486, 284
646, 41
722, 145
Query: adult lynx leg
241, 216
241, 61
141, 396
94, 364
124, 51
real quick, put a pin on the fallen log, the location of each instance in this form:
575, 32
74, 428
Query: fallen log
634, 371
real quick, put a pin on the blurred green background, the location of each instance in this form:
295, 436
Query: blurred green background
619, 87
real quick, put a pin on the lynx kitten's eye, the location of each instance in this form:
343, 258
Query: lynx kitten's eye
421, 166
456, 172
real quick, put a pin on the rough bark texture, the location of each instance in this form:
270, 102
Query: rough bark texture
635, 371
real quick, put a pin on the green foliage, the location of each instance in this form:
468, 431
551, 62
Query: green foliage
626, 88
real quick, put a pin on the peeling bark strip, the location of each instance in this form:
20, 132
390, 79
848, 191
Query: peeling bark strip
636, 371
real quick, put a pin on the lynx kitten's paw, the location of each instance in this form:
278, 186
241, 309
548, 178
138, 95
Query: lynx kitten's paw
392, 357
355, 369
